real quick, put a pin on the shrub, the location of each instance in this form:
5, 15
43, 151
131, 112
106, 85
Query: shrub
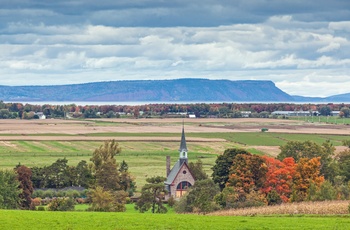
36, 201
128, 200
38, 193
273, 198
171, 201
41, 208
48, 194
81, 200
60, 193
61, 204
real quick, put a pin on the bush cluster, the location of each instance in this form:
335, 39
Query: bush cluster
61, 204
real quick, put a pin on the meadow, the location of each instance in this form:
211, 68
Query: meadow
15, 219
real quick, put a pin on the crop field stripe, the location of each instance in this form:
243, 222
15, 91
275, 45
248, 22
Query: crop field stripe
61, 146
32, 147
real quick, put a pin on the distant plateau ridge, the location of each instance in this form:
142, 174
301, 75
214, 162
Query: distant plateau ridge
196, 90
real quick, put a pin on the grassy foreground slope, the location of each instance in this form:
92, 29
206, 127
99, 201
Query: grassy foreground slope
92, 220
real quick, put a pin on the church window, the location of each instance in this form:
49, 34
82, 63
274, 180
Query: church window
182, 187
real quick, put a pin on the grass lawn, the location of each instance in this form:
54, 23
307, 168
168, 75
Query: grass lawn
13, 220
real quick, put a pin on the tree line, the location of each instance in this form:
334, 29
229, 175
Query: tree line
28, 111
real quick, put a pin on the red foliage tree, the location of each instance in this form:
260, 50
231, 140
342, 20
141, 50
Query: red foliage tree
279, 177
24, 175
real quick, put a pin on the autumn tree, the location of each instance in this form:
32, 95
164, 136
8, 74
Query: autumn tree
26, 186
247, 172
222, 166
307, 172
152, 195
279, 178
309, 149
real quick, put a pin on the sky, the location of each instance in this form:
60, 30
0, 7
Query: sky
302, 46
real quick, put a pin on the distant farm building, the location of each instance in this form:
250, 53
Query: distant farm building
245, 113
295, 113
40, 115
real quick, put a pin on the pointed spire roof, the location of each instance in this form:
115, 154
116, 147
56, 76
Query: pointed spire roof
183, 146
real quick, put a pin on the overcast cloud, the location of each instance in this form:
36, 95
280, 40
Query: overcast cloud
302, 46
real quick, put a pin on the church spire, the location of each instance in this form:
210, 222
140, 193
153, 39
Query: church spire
183, 147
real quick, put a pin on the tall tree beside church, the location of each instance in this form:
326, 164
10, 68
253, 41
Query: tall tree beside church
197, 170
222, 166
24, 175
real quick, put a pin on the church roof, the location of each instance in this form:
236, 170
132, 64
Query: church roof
183, 146
174, 172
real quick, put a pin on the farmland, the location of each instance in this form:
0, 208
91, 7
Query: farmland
146, 142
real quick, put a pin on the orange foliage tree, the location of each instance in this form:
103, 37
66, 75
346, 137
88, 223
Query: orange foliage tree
307, 172
247, 172
279, 177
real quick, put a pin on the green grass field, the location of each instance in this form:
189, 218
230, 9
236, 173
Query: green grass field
324, 119
11, 219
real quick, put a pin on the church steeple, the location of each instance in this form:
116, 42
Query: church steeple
183, 147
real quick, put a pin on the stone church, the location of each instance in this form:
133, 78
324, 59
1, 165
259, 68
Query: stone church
179, 178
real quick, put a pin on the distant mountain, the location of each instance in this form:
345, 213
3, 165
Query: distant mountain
148, 90
335, 98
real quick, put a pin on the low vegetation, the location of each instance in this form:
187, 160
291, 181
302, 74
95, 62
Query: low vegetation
338, 207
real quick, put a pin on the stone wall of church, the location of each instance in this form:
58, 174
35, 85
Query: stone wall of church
181, 176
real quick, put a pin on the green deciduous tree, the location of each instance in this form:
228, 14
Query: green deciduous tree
9, 190
223, 164
105, 166
325, 111
200, 198
197, 170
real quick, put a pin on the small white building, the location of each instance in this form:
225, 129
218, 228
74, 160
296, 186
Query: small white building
245, 113
41, 115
